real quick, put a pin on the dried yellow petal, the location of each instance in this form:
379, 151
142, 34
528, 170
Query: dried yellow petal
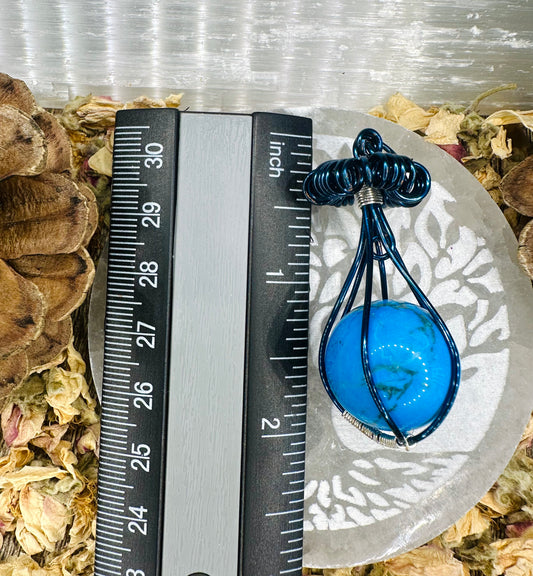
102, 161
23, 565
21, 423
8, 505
16, 458
44, 517
26, 539
19, 478
501, 145
504, 117
428, 560
515, 555
496, 506
404, 112
472, 523
98, 112
443, 127
173, 100
67, 391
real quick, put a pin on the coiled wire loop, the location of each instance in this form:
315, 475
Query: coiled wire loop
377, 177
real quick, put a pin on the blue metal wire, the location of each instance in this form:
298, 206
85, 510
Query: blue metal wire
393, 180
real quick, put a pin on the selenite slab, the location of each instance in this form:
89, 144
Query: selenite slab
364, 502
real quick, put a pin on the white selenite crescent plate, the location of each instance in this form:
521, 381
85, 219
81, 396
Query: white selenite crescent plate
364, 502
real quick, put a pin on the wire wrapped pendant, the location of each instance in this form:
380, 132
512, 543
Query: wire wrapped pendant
392, 368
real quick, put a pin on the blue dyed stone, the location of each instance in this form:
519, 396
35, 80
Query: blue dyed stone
409, 360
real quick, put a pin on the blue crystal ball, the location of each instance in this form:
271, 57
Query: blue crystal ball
409, 359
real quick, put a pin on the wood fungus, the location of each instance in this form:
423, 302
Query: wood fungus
517, 187
525, 249
46, 221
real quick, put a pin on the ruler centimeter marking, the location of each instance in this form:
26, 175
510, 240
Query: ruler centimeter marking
131, 482
137, 332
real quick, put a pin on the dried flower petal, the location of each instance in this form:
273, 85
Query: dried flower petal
19, 478
89, 440
26, 539
44, 517
98, 112
495, 506
443, 127
24, 565
504, 117
8, 510
67, 391
472, 523
102, 161
404, 112
515, 555
428, 560
20, 424
16, 458
50, 437
502, 146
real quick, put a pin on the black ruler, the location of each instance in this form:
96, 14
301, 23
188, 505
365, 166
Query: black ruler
277, 351
191, 482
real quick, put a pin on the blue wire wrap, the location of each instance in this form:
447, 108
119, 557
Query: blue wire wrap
393, 180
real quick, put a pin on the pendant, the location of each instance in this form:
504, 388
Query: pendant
391, 368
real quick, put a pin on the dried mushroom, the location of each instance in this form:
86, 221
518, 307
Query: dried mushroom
13, 370
46, 221
15, 92
21, 311
47, 214
63, 279
59, 150
92, 216
22, 144
517, 187
525, 249
47, 350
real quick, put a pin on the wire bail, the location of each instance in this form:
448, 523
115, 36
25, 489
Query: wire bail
378, 177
